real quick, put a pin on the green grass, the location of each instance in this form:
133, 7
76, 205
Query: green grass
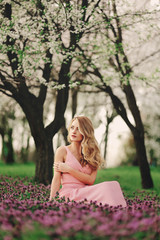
17, 169
128, 177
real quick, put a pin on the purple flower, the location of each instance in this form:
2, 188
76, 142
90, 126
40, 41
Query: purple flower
24, 208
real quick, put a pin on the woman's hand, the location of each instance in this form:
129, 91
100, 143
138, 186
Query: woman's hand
61, 167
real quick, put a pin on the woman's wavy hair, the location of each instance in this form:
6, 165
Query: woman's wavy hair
90, 150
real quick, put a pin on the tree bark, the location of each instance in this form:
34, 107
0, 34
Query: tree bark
74, 93
146, 178
44, 147
109, 120
44, 160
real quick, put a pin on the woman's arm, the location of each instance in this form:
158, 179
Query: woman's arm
55, 185
83, 177
56, 181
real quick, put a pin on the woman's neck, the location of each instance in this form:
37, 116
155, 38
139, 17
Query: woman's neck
76, 146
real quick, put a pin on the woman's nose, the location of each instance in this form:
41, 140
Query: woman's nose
74, 130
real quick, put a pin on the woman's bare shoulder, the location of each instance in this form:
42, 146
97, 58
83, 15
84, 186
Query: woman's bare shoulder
60, 153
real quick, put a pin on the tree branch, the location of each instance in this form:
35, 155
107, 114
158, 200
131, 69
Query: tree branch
93, 10
7, 85
108, 20
118, 105
145, 58
62, 99
3, 71
46, 76
117, 21
4, 92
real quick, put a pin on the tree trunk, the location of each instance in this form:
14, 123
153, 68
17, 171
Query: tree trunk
43, 143
109, 120
44, 160
74, 94
7, 146
10, 154
138, 133
137, 130
106, 141
142, 161
64, 132
24, 152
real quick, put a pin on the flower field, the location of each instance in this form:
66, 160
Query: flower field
26, 214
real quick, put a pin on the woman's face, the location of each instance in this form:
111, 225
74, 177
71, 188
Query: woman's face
74, 133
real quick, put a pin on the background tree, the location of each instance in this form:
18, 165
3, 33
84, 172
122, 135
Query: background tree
150, 102
6, 132
36, 38
109, 119
115, 64
7, 118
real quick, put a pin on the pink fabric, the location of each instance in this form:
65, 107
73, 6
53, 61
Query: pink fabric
106, 192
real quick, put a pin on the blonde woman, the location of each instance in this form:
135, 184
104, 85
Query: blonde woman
76, 165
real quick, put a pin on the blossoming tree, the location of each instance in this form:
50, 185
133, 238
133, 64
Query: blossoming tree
38, 38
107, 63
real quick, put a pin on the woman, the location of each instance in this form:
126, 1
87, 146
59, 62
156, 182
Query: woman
76, 168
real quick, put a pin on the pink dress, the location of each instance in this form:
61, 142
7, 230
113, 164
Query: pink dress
106, 192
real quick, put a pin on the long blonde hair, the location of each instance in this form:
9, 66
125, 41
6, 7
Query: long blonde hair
90, 150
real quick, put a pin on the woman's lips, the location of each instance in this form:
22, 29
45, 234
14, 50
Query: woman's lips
73, 136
